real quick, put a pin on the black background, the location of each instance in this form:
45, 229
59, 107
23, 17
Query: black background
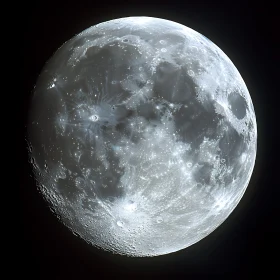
244, 246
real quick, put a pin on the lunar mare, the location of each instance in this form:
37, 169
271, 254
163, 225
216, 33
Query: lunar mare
142, 136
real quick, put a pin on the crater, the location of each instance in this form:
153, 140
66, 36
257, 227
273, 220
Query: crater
238, 105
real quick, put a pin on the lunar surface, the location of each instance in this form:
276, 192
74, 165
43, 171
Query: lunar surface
142, 136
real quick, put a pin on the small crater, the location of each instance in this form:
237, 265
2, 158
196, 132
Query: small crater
131, 206
94, 118
120, 224
191, 73
159, 220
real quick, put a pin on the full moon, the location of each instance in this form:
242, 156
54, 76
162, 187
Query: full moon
142, 136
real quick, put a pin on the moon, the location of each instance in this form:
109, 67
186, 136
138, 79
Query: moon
142, 135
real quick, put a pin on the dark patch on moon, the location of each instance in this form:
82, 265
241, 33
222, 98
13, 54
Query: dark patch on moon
238, 105
203, 174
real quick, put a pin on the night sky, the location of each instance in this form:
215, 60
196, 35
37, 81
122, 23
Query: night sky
243, 246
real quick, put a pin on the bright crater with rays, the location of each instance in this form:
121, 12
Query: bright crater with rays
142, 136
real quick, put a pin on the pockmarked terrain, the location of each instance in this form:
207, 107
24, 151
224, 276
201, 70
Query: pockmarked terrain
142, 135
